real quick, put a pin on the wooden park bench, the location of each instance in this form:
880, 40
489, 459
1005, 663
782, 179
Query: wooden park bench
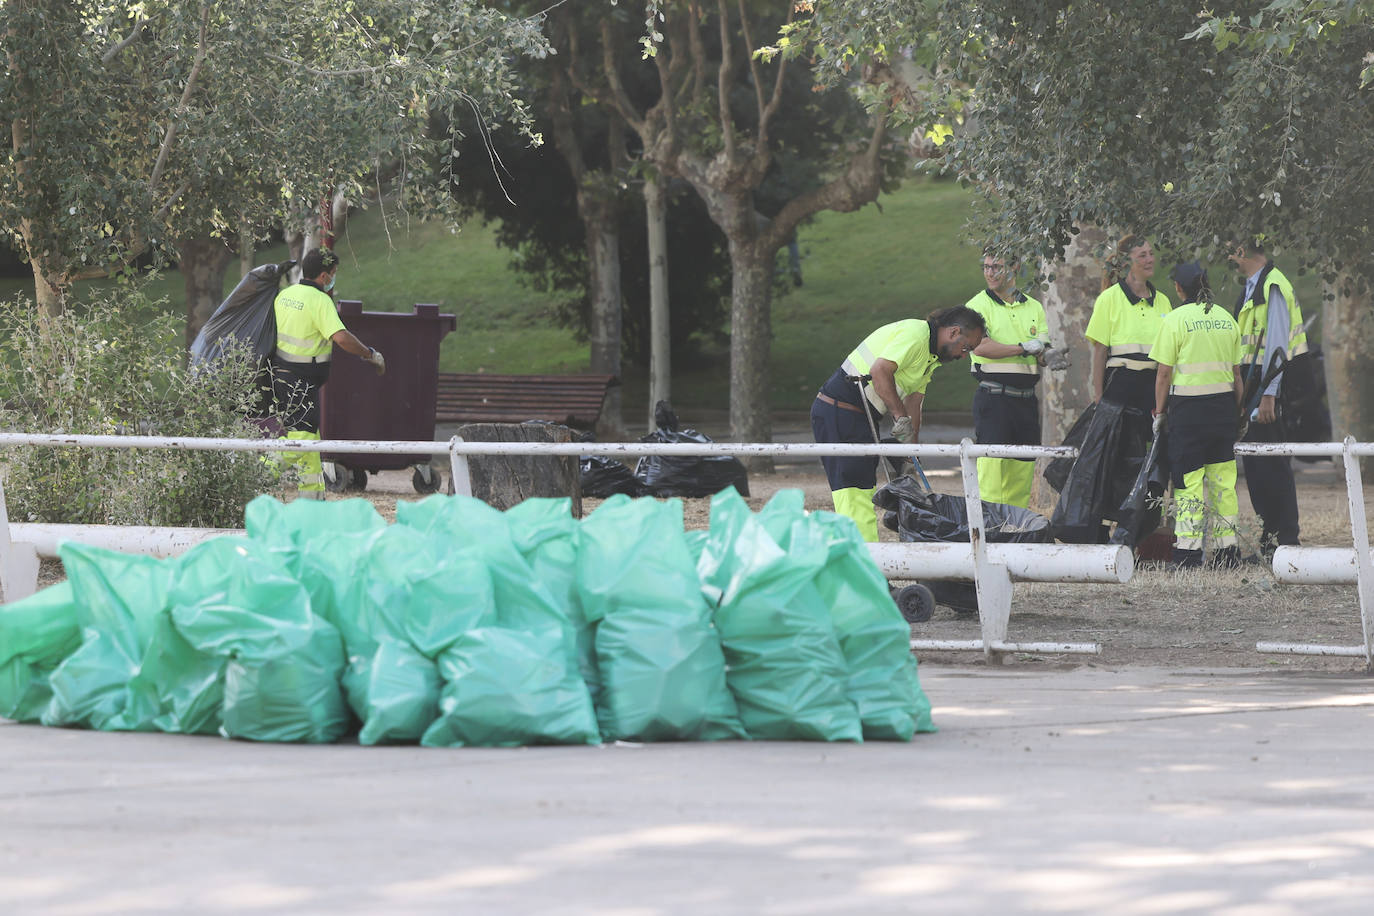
572, 400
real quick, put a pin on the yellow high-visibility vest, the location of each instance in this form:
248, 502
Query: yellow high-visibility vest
1253, 318
1203, 346
1127, 326
906, 343
306, 320
1010, 323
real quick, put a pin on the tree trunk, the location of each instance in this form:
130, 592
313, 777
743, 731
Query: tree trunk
603, 268
1068, 305
751, 335
1347, 319
49, 292
660, 358
502, 481
203, 264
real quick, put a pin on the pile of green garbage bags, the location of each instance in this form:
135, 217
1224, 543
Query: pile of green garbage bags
461, 625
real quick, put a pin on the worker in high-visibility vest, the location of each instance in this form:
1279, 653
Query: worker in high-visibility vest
1007, 365
308, 327
1125, 320
886, 374
1270, 320
1198, 383
1124, 323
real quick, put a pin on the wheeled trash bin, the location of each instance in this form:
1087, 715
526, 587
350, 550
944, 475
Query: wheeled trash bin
359, 404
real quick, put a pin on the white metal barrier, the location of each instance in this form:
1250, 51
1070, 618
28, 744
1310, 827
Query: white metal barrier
993, 568
1328, 565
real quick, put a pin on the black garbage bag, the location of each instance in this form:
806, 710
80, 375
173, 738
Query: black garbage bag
1140, 513
1109, 461
1302, 409
686, 475
1057, 470
244, 319
917, 514
603, 477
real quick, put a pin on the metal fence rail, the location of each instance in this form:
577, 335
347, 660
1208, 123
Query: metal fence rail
992, 568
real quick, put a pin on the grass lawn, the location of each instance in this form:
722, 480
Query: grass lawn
901, 258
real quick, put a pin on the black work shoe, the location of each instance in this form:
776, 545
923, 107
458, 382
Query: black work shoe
1185, 559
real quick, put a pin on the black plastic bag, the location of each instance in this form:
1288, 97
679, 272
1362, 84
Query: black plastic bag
603, 477
1109, 461
687, 475
917, 514
1057, 470
244, 319
1140, 513
1302, 399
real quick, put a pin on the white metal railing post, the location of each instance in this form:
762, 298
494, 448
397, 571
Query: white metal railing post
18, 561
991, 581
458, 471
1359, 529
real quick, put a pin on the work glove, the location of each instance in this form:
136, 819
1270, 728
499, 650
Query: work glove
1033, 347
378, 361
1157, 425
1057, 360
902, 431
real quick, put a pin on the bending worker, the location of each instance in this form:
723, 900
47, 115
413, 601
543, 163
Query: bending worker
1007, 365
886, 374
1198, 381
1269, 320
308, 326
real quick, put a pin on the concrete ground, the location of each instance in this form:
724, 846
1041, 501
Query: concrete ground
1135, 791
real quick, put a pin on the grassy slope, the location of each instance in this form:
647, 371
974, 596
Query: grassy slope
861, 270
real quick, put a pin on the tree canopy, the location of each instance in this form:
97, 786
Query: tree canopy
134, 125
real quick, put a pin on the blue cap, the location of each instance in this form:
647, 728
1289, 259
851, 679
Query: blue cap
1191, 276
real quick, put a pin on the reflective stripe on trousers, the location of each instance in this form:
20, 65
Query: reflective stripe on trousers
1207, 499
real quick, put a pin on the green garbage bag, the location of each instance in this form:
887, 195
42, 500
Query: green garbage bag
508, 688
662, 671
545, 533
412, 588
874, 637
463, 526
178, 688
36, 634
408, 602
118, 598
329, 565
233, 599
785, 666
394, 691
311, 525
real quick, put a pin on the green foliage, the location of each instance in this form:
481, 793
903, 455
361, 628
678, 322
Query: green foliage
96, 371
135, 125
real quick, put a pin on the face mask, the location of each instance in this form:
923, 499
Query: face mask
330, 285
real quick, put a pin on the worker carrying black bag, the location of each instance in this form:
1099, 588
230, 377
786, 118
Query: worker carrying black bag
245, 323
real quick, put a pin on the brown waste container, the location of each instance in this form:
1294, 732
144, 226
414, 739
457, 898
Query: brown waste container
359, 404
